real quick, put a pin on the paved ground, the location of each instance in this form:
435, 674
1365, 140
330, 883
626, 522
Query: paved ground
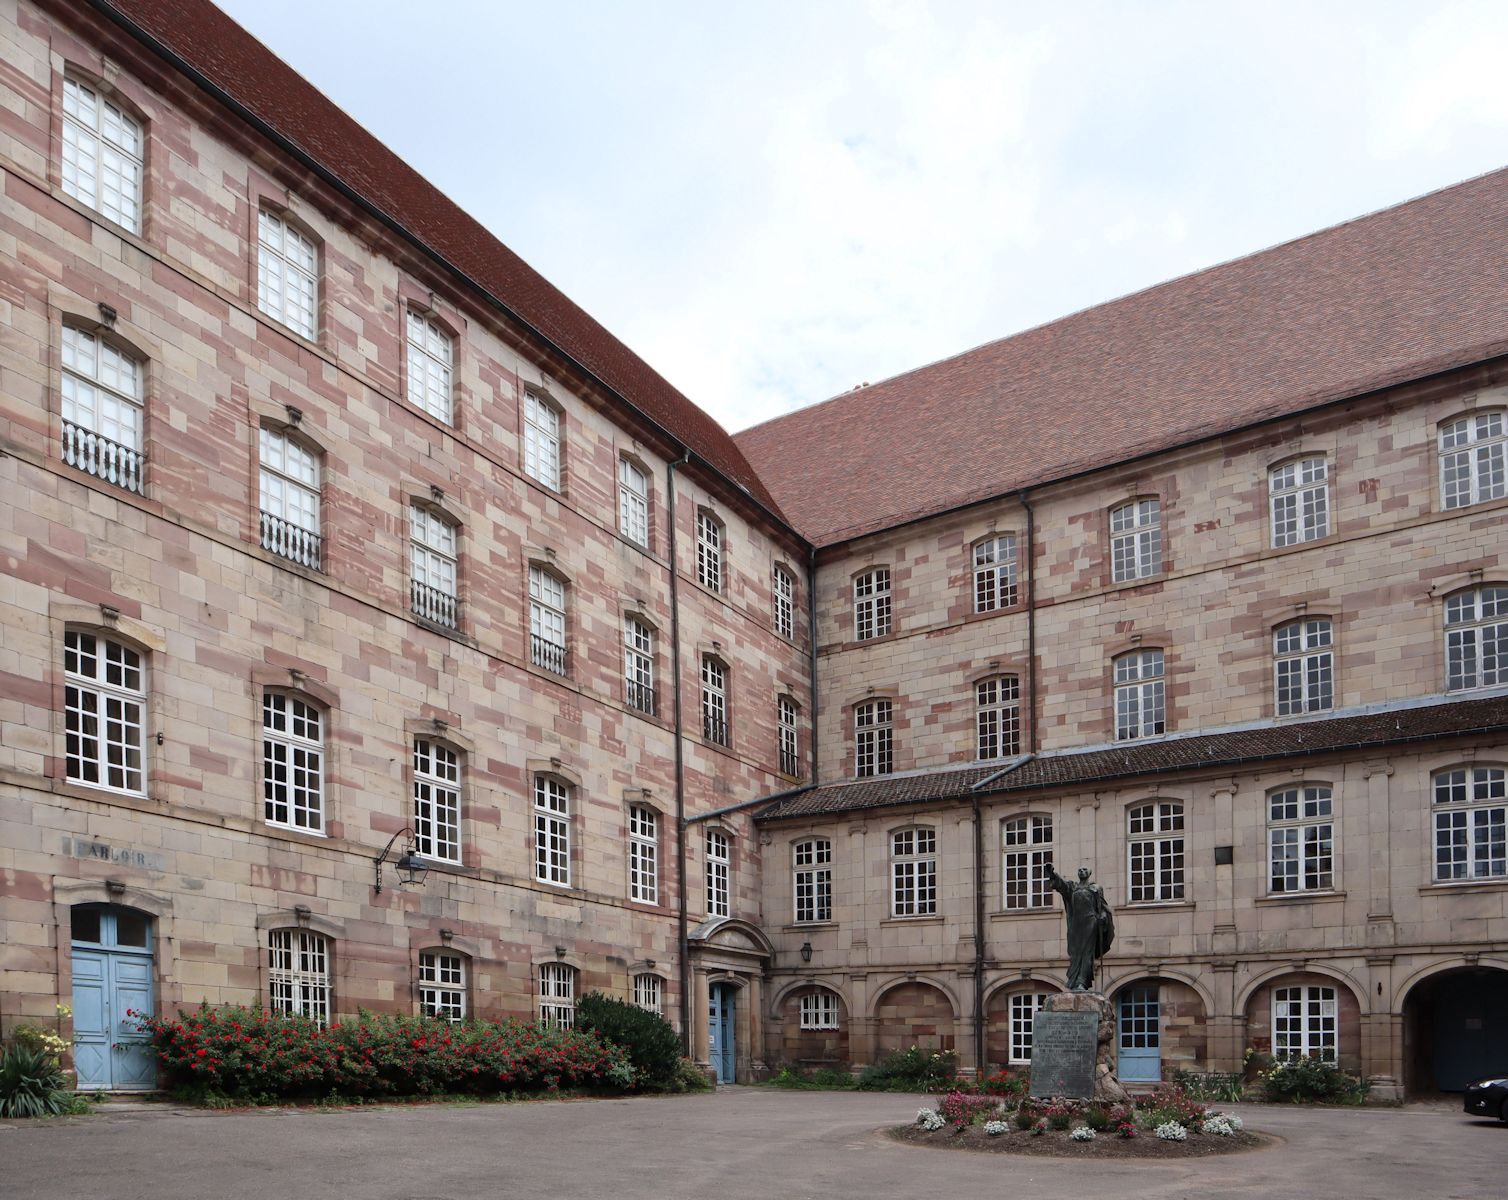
740, 1143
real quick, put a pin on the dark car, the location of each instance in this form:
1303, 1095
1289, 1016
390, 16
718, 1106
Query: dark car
1488, 1098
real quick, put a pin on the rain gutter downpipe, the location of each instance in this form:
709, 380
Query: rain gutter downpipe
811, 637
682, 942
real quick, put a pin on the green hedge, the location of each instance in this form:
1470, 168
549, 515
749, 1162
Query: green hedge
652, 1045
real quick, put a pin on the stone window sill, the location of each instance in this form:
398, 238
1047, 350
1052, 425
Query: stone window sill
1019, 914
804, 926
928, 919
1465, 885
1282, 898
1155, 906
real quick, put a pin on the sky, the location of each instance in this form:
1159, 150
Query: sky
772, 203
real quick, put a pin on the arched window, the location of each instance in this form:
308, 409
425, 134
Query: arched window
1155, 833
790, 746
995, 573
542, 441
289, 492
430, 350
913, 872
1303, 654
812, 874
719, 866
105, 701
298, 974
649, 992
633, 502
437, 801
287, 274
643, 854
1026, 849
1140, 695
433, 553
1471, 823
1474, 459
1299, 493
638, 666
1301, 839
547, 620
1136, 540
442, 985
871, 604
715, 702
872, 739
1476, 638
103, 154
552, 830
709, 551
103, 394
820, 1009
998, 717
293, 763
557, 995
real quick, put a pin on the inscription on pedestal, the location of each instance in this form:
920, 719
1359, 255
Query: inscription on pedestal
1063, 1053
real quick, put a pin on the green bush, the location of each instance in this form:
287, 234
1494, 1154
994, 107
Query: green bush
1225, 1087
653, 1046
1302, 1078
823, 1079
32, 1084
689, 1078
913, 1070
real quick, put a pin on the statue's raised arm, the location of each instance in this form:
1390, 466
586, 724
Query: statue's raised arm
1090, 925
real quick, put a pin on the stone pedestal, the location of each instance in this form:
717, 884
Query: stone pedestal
1107, 1086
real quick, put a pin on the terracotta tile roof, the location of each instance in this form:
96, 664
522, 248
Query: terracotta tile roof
213, 44
1380, 300
1138, 759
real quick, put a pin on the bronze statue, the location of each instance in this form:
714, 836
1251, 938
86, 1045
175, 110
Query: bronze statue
1091, 926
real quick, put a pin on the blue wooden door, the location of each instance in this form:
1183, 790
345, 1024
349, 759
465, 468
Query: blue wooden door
1140, 1056
112, 978
720, 1030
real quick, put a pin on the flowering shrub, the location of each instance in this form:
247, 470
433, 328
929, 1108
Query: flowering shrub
1040, 1127
913, 1070
1082, 1133
996, 1128
965, 1110
1171, 1131
1218, 1126
1060, 1114
39, 1037
930, 1119
1302, 1077
1170, 1103
1001, 1083
1235, 1122
1126, 1129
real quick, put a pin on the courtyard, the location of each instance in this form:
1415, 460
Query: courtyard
740, 1142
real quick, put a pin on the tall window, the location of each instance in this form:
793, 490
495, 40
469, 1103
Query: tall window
718, 862
1024, 1006
1471, 817
1474, 459
812, 862
105, 700
1140, 698
552, 831
1136, 540
1156, 851
1026, 848
430, 351
871, 604
715, 701
442, 985
633, 506
1300, 496
547, 622
639, 666
293, 757
298, 974
437, 801
102, 155
287, 274
289, 498
649, 992
872, 739
1304, 1022
998, 716
819, 1010
102, 410
643, 854
995, 573
557, 995
913, 872
790, 746
542, 441
709, 552
784, 592
1300, 839
1476, 638
432, 566
1304, 666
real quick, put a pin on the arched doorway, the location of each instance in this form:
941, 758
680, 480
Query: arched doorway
112, 978
1160, 1028
1456, 1029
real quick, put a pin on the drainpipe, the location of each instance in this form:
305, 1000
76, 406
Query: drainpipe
979, 1055
1031, 620
682, 944
811, 637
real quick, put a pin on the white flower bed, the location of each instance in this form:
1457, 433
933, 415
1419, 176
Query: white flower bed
930, 1119
996, 1128
1218, 1125
1082, 1133
1171, 1131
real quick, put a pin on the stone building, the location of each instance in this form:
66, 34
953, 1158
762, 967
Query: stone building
332, 532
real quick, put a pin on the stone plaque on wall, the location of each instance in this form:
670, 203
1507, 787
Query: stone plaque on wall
1063, 1053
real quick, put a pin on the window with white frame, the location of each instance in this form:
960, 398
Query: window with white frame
871, 604
1304, 666
783, 588
287, 274
293, 763
715, 701
1304, 1023
542, 441
437, 801
643, 854
820, 1010
102, 410
1023, 1009
719, 861
298, 974
105, 701
442, 985
1301, 839
552, 830
913, 872
649, 992
289, 498
872, 728
557, 995
709, 552
633, 504
812, 867
1155, 833
547, 620
1471, 823
103, 154
995, 573
433, 570
1135, 540
639, 666
1476, 638
998, 717
1299, 493
1140, 695
790, 745
1474, 459
430, 352
1026, 853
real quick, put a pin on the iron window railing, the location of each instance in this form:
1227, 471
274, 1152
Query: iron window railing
640, 696
432, 604
292, 542
98, 455
547, 654
790, 763
715, 729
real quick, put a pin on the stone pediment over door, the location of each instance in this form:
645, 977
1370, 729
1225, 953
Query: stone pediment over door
734, 943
